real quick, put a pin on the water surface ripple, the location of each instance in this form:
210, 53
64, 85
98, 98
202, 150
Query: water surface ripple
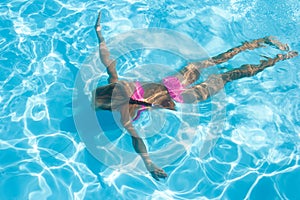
44, 43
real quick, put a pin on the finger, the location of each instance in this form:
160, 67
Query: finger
162, 175
161, 171
154, 176
98, 19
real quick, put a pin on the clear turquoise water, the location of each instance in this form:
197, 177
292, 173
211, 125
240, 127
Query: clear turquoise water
255, 151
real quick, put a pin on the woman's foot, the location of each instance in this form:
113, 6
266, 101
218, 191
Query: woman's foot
290, 54
270, 40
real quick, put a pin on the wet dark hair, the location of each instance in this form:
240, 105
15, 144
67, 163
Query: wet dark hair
112, 96
102, 97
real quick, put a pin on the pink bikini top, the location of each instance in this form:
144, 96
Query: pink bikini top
173, 85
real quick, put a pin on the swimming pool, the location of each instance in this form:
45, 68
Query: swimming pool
255, 124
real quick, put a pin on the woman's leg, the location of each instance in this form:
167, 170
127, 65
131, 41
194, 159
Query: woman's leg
191, 72
215, 83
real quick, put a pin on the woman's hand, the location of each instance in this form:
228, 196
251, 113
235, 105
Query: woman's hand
156, 172
139, 146
98, 25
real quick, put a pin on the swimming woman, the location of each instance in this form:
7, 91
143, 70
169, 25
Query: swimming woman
130, 98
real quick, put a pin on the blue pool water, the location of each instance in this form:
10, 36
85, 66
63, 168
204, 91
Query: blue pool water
244, 143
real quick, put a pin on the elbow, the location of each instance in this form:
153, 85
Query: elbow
127, 124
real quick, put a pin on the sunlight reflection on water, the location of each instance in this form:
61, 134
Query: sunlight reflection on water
43, 44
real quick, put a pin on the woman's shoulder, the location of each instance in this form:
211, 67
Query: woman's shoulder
127, 87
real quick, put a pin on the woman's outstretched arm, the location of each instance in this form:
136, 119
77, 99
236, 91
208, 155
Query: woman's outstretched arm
110, 64
139, 146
